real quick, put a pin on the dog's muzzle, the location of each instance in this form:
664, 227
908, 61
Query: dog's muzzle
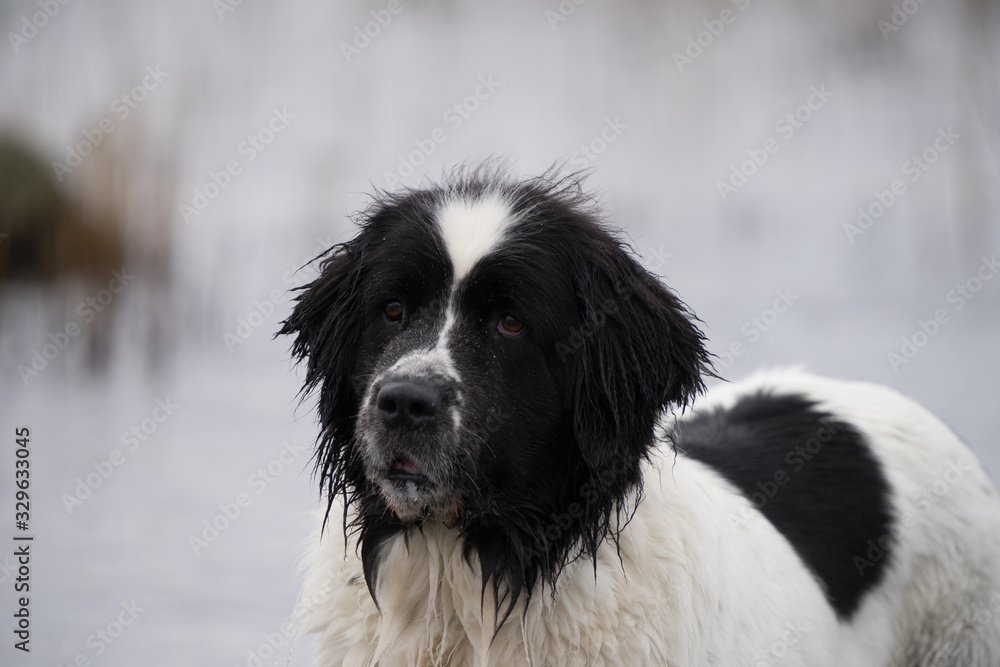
409, 431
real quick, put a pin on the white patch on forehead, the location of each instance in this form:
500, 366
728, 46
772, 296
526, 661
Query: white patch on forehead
471, 228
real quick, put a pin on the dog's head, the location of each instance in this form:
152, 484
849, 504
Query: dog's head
490, 357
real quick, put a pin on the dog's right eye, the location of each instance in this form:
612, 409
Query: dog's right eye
394, 311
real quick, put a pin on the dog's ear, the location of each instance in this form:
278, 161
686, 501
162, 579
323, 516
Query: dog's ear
325, 320
326, 323
636, 351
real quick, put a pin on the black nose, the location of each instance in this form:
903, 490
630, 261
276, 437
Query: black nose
408, 404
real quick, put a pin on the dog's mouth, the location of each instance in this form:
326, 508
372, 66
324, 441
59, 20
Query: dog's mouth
408, 488
414, 496
405, 470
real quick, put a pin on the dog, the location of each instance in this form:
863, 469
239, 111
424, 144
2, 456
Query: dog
521, 465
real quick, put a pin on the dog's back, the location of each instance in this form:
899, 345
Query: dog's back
919, 584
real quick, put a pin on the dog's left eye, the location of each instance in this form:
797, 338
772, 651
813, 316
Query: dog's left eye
394, 311
510, 326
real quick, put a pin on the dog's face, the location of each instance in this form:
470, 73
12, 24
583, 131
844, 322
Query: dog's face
459, 392
489, 357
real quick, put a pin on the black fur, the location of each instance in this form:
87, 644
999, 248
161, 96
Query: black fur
813, 476
562, 416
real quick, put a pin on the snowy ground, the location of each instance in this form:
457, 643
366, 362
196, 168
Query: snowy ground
672, 134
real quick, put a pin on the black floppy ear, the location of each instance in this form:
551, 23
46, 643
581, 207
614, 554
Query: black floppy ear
324, 319
637, 350
327, 328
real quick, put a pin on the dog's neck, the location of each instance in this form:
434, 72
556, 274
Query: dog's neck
432, 609
431, 596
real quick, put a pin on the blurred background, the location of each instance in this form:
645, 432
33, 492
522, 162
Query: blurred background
819, 181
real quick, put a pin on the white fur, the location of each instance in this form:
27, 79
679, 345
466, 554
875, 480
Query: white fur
704, 579
471, 228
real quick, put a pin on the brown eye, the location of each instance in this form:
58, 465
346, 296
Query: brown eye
510, 326
394, 311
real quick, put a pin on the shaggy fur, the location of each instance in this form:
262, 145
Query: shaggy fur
499, 389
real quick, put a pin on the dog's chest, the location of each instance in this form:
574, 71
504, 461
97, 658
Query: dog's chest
434, 612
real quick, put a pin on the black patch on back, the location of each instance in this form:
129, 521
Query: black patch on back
828, 498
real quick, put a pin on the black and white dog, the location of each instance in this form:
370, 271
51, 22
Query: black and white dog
522, 471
